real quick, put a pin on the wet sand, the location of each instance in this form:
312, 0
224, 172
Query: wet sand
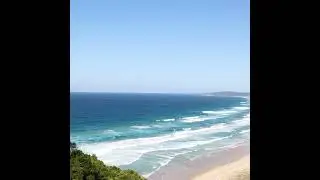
208, 166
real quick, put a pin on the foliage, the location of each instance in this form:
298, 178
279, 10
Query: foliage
88, 167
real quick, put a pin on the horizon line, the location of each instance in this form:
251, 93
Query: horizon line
121, 92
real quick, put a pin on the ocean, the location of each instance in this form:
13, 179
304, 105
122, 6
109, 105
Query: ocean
145, 132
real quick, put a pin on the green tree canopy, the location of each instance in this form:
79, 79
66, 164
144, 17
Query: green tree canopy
88, 167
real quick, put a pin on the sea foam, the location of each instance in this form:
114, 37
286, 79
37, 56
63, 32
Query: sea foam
140, 127
127, 151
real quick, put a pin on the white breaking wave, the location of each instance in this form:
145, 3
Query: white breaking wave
168, 158
125, 152
221, 112
242, 108
125, 156
245, 121
212, 115
165, 120
140, 127
196, 119
226, 111
165, 160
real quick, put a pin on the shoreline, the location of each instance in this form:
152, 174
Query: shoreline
236, 170
207, 166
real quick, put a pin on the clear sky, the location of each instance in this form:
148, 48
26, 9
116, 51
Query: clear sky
159, 45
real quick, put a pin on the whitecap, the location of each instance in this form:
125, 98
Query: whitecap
242, 108
140, 127
196, 119
165, 120
125, 152
220, 112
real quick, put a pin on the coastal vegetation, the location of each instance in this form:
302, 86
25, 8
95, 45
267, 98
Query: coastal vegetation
89, 167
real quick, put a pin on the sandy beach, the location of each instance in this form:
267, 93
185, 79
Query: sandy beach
237, 170
231, 164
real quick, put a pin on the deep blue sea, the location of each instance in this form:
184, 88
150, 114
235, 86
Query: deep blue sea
147, 131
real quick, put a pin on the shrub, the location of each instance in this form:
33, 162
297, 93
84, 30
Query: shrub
89, 167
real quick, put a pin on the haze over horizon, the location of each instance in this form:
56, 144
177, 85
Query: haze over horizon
163, 46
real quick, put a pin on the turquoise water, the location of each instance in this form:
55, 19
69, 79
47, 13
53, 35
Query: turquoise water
146, 131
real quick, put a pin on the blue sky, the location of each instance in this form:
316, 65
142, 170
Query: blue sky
159, 45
